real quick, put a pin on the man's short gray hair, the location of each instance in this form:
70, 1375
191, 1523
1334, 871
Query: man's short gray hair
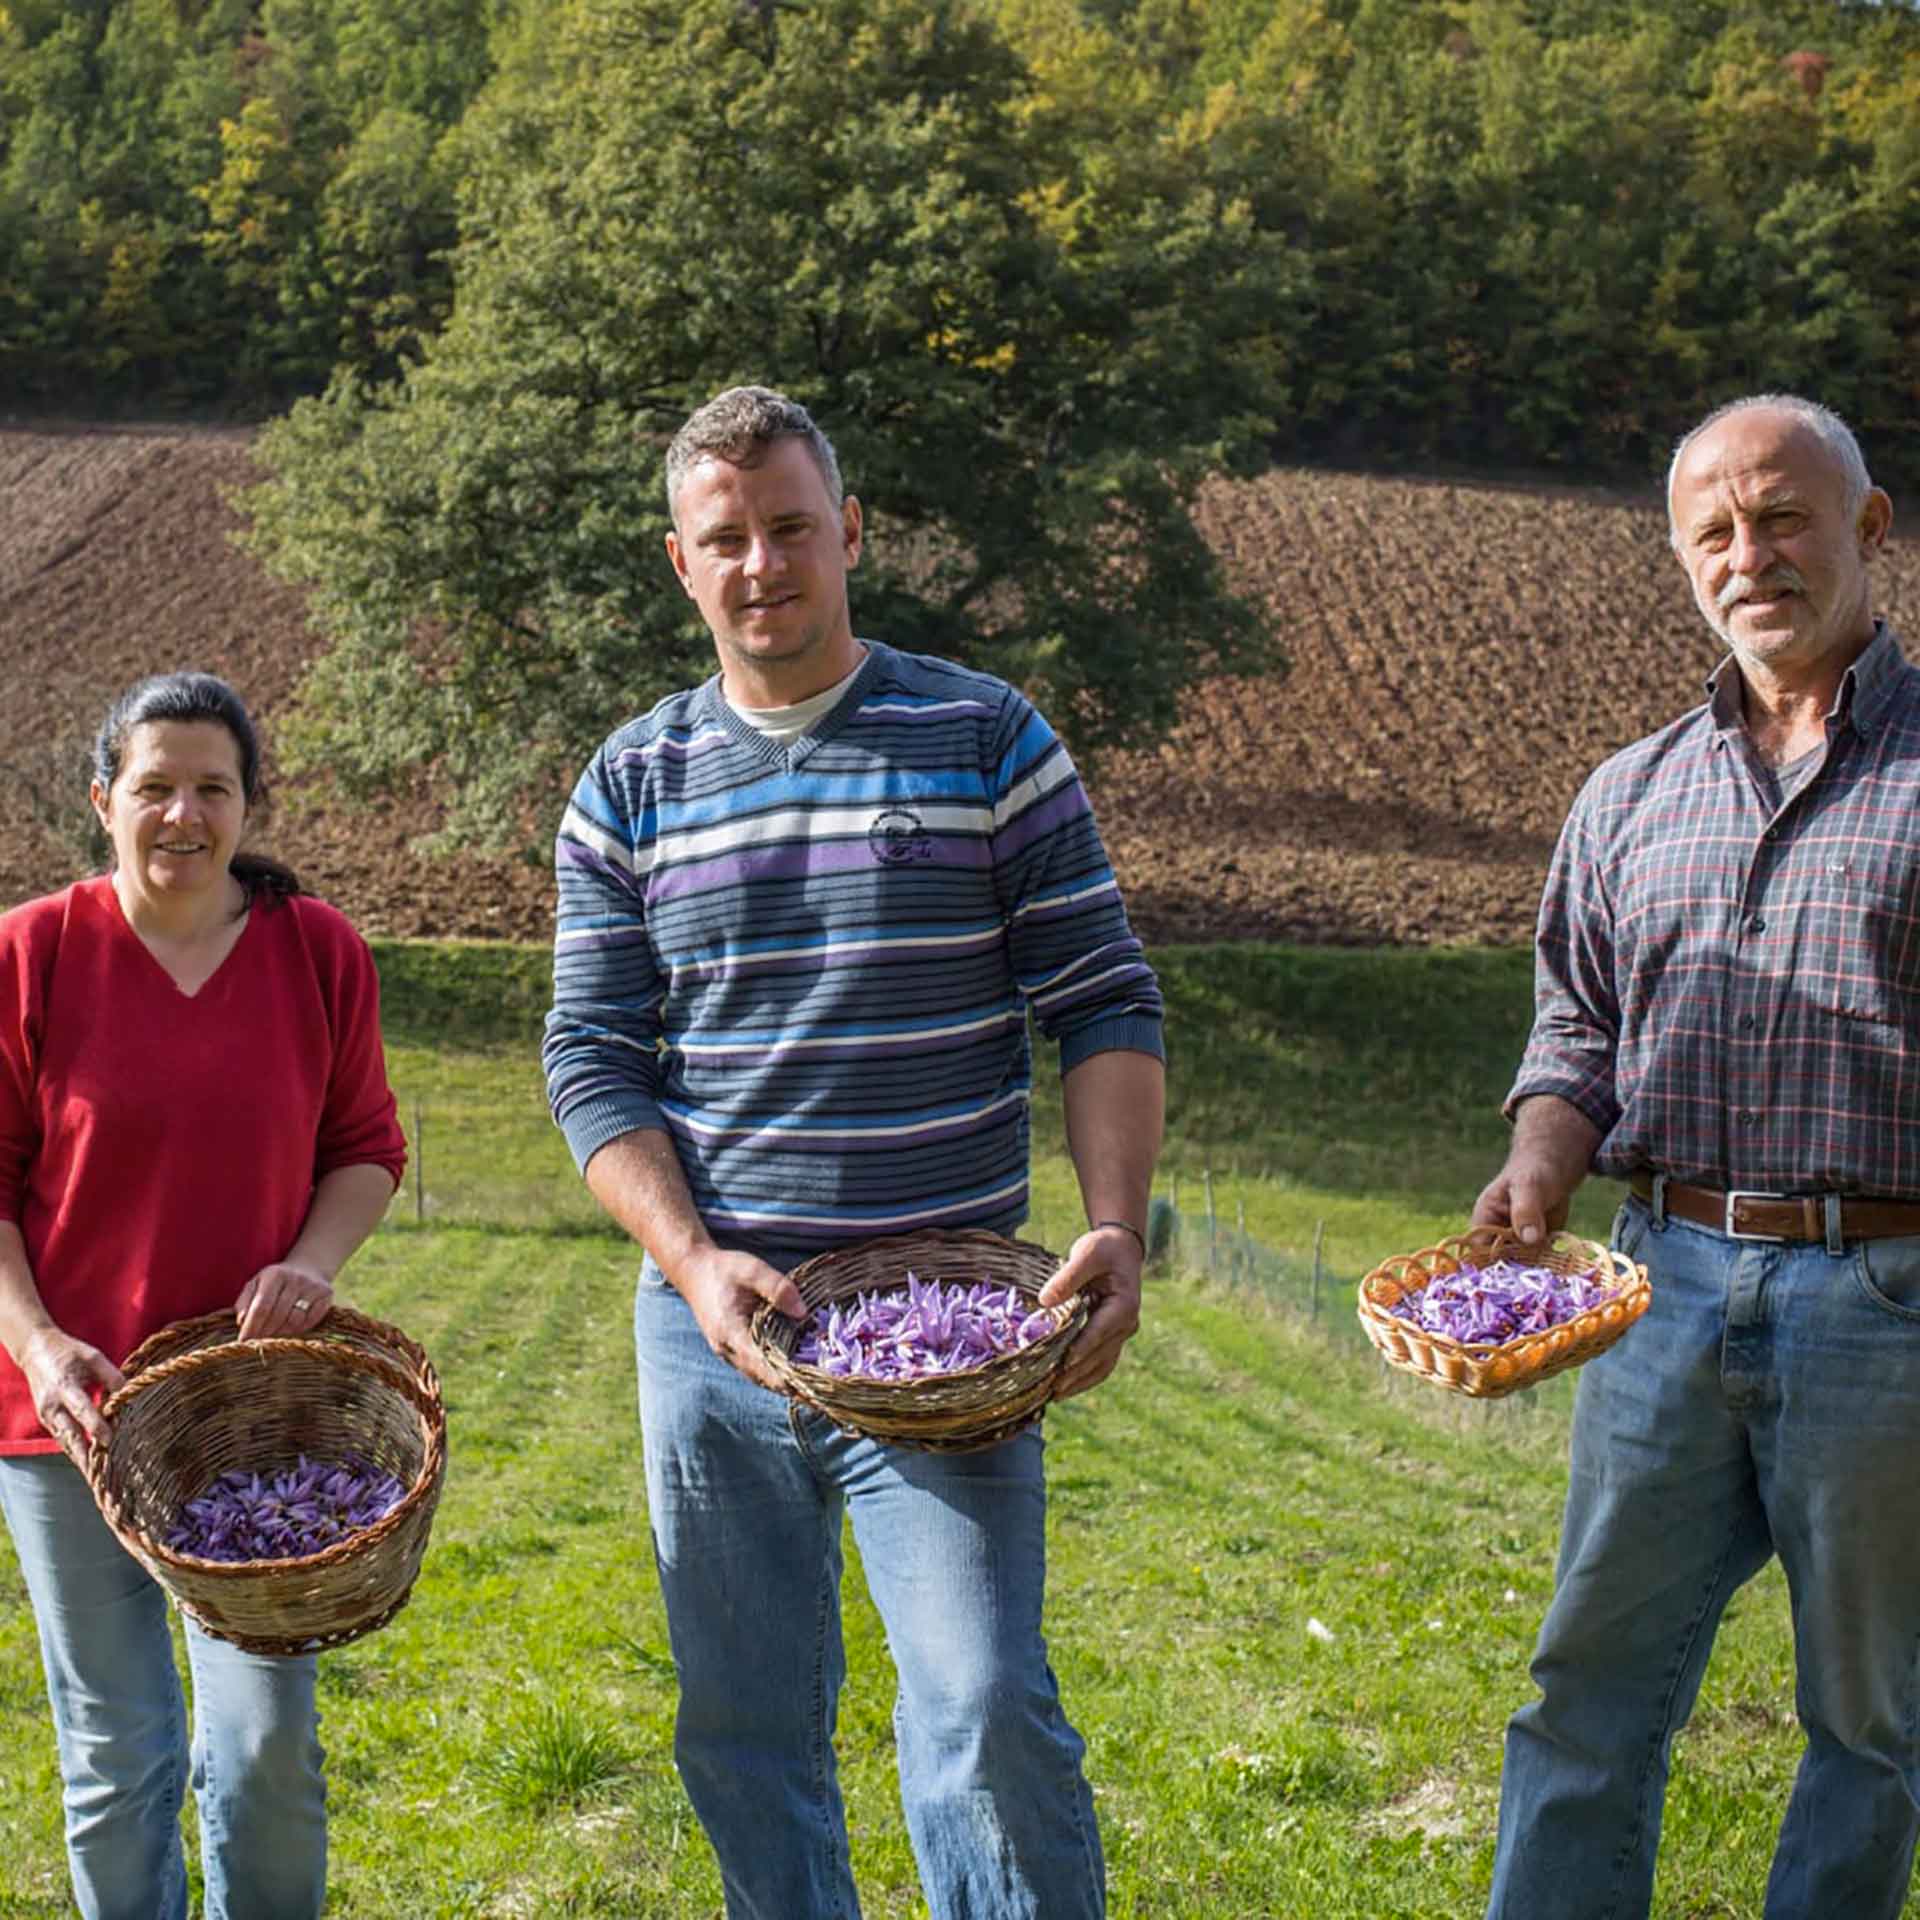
738, 426
1833, 432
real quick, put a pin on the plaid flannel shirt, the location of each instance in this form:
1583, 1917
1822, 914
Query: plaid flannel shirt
1730, 993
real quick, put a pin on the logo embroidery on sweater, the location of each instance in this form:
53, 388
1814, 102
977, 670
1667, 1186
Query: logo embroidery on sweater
897, 835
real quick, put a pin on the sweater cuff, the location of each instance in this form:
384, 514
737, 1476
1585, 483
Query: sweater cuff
1123, 1033
603, 1117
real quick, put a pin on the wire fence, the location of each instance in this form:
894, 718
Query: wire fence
494, 1164
1191, 1230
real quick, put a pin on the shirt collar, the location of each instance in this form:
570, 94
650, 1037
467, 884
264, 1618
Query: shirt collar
1862, 696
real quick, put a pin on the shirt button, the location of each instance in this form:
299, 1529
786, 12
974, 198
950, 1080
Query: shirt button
1758, 924
1748, 1118
1746, 1022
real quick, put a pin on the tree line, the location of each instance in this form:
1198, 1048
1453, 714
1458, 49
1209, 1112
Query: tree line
1041, 264
1522, 230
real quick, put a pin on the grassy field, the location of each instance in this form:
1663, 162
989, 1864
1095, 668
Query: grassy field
1290, 1604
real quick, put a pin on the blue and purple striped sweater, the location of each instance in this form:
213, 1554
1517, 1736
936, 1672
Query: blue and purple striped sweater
812, 963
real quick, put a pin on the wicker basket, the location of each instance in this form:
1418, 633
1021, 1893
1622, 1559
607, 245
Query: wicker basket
198, 1402
1486, 1372
947, 1413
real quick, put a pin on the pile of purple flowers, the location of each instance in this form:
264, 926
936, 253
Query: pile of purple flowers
287, 1515
926, 1327
1484, 1306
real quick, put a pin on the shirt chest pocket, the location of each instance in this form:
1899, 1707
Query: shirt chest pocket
1857, 934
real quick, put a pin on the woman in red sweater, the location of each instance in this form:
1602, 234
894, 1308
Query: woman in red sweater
194, 1115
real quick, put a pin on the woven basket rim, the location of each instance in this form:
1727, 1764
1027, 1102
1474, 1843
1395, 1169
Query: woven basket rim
423, 1486
910, 1412
389, 1550
771, 1325
1493, 1368
1604, 1257
827, 1377
430, 1414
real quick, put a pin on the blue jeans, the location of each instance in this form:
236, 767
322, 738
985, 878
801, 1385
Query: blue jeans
1769, 1402
120, 1723
746, 1504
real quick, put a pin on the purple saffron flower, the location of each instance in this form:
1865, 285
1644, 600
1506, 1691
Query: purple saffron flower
921, 1330
286, 1514
1487, 1306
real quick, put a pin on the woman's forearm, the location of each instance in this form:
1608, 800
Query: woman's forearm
66, 1377
23, 1314
348, 1204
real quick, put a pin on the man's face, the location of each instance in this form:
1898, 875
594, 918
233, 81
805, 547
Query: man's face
1778, 565
764, 554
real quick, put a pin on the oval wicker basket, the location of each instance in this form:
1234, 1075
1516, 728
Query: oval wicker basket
947, 1413
1486, 1372
199, 1401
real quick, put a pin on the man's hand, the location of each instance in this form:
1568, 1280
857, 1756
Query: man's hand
1104, 1263
1522, 1197
1553, 1145
638, 1179
62, 1374
723, 1288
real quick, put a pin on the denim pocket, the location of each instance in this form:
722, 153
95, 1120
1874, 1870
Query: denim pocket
1889, 1274
1631, 1225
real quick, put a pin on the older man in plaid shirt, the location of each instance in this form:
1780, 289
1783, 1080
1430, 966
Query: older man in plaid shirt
1728, 1019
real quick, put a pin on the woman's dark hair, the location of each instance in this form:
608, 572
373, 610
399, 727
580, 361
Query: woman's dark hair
196, 696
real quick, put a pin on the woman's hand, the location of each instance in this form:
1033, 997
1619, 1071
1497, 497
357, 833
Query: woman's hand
283, 1301
67, 1378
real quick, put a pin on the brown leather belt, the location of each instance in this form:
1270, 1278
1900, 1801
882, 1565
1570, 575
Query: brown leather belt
1782, 1216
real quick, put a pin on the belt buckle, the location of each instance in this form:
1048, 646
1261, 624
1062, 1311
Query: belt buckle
1748, 1193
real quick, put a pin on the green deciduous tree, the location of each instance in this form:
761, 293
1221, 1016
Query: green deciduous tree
1028, 357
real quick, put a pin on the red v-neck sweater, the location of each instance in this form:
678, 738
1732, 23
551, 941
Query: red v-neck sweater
157, 1149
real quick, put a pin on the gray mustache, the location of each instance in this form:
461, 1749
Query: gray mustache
1775, 579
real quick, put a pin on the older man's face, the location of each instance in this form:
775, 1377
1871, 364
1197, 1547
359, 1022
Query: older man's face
1778, 565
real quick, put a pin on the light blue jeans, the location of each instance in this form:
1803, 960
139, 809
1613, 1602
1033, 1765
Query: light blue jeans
746, 1505
1769, 1402
120, 1723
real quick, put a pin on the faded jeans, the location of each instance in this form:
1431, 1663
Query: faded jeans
746, 1507
1769, 1402
120, 1722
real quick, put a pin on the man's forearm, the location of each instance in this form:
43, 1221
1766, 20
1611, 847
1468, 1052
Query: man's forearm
1554, 1135
639, 1180
1116, 1114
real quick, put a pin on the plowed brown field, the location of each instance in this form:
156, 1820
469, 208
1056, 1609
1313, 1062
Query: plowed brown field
1462, 653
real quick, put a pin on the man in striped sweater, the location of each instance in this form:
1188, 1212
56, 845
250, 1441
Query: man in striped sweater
805, 910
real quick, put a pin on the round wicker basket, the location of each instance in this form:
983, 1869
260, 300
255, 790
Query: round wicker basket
1487, 1372
946, 1413
198, 1402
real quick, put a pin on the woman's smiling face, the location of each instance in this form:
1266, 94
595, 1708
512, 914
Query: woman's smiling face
176, 808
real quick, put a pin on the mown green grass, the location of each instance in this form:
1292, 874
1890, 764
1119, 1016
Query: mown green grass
504, 1747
